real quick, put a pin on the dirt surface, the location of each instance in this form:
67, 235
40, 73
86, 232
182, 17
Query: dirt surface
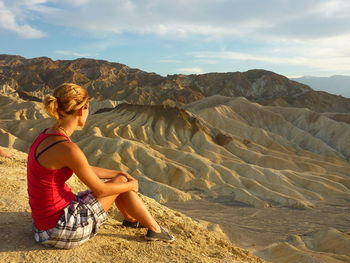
195, 241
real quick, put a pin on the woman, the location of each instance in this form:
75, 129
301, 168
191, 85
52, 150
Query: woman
61, 218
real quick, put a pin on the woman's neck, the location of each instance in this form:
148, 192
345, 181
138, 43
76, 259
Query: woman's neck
65, 127
63, 130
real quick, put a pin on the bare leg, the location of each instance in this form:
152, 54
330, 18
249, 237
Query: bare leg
130, 205
108, 201
122, 208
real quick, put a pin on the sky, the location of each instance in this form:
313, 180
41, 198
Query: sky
290, 37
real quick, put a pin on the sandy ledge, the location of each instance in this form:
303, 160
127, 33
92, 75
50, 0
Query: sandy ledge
196, 241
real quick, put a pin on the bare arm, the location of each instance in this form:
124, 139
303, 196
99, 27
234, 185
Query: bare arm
104, 173
75, 159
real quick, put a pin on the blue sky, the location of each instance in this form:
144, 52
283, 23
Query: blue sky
289, 37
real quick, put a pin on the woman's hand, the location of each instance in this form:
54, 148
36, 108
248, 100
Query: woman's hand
134, 185
132, 180
127, 176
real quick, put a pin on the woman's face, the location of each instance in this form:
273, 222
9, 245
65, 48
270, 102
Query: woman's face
84, 115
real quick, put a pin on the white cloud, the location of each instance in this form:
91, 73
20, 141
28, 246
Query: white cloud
169, 61
194, 70
283, 20
206, 61
73, 53
78, 2
8, 21
333, 8
225, 18
164, 18
329, 54
230, 55
294, 76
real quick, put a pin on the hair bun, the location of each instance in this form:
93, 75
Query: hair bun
50, 99
51, 106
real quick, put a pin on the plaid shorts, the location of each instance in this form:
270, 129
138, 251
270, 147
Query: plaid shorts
79, 222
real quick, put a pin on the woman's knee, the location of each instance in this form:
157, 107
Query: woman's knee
119, 179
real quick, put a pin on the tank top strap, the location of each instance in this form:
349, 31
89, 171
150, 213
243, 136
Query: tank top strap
48, 147
42, 136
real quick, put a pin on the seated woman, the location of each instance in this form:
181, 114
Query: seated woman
61, 218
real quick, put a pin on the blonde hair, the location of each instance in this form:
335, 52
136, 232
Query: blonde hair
66, 99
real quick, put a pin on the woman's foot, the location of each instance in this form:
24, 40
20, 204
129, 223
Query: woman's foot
163, 235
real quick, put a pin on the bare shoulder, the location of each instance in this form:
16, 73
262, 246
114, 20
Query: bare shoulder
56, 153
69, 149
69, 146
71, 154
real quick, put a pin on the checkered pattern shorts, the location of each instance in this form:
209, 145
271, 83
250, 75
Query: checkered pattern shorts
79, 222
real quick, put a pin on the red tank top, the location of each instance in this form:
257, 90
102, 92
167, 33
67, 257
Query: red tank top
47, 189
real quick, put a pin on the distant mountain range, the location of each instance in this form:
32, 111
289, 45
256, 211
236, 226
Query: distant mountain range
337, 84
31, 79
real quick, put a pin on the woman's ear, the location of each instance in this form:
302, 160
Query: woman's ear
80, 112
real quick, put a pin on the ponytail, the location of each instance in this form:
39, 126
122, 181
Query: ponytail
51, 106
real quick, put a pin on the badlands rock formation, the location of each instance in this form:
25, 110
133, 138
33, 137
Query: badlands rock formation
13, 108
341, 117
218, 147
281, 235
325, 245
